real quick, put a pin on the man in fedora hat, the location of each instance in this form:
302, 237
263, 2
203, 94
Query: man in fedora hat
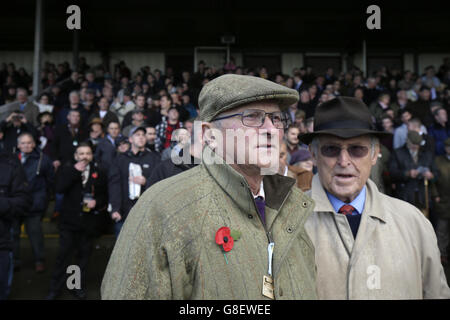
367, 245
216, 230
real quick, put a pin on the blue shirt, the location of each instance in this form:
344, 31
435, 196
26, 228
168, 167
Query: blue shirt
357, 203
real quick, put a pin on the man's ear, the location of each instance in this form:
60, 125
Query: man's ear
313, 155
375, 154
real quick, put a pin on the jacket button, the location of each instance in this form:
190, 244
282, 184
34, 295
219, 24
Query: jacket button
250, 216
304, 205
280, 292
289, 229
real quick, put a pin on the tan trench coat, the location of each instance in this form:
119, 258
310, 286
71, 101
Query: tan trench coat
395, 255
167, 249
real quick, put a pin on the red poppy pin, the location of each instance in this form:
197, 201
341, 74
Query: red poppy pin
225, 238
95, 175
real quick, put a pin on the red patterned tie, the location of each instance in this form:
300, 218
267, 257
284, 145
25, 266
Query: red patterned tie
346, 209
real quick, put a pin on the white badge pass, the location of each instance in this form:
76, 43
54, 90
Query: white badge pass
268, 286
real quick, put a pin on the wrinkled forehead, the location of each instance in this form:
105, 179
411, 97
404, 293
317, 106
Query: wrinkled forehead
331, 139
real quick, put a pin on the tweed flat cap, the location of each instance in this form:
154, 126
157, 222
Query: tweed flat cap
231, 90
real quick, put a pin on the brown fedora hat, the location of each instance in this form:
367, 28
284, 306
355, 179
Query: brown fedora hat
344, 117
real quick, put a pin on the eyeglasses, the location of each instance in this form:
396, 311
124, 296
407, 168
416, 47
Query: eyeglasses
333, 151
255, 118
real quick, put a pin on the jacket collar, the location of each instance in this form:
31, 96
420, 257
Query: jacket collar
277, 188
371, 207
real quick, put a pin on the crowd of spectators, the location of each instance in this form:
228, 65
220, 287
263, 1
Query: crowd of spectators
131, 122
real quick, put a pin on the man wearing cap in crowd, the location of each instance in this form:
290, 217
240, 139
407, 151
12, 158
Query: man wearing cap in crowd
408, 167
367, 245
128, 175
216, 230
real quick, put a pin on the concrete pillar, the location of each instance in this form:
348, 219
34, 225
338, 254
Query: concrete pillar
38, 42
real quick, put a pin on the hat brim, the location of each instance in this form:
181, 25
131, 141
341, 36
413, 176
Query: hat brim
343, 133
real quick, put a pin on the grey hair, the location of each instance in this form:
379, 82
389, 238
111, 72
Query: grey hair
374, 141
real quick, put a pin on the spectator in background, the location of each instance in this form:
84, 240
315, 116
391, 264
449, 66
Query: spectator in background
387, 123
179, 139
421, 108
67, 138
409, 166
440, 130
427, 143
187, 105
40, 176
407, 81
104, 113
44, 103
106, 148
128, 176
28, 108
150, 136
301, 168
165, 129
46, 132
122, 108
84, 185
74, 104
95, 130
122, 144
137, 121
377, 109
371, 91
15, 124
429, 79
14, 201
291, 138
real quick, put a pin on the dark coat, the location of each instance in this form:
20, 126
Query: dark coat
105, 152
40, 175
14, 199
64, 144
61, 118
69, 183
409, 189
119, 175
167, 169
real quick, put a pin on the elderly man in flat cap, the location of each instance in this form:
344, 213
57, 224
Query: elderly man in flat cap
367, 245
224, 229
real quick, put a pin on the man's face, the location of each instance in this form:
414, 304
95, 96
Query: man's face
113, 130
74, 118
103, 104
344, 175
22, 96
425, 94
387, 124
83, 154
26, 144
257, 147
165, 103
173, 115
406, 116
138, 139
441, 116
74, 98
96, 131
401, 95
138, 116
123, 147
292, 136
90, 77
150, 135
140, 102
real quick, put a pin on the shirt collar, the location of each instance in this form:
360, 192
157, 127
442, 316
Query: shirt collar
357, 203
261, 192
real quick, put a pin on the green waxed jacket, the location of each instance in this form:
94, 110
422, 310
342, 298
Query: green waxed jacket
167, 250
